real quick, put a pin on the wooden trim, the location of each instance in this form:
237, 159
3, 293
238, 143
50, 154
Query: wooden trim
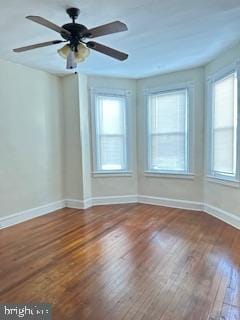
29, 214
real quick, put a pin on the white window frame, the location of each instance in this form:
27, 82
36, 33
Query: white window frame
228, 180
189, 172
96, 171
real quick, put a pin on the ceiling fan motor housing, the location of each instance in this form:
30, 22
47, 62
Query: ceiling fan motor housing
78, 31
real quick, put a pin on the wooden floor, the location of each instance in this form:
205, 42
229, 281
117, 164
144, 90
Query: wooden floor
124, 262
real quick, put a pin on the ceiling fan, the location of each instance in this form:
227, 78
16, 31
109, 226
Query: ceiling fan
76, 49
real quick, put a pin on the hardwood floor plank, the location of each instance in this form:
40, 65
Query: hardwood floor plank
124, 262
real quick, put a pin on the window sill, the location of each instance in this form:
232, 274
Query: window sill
226, 182
175, 175
109, 174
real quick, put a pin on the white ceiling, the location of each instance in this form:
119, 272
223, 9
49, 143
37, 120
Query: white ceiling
163, 36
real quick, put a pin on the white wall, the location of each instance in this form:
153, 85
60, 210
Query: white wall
118, 186
221, 196
45, 144
73, 188
173, 188
31, 131
137, 183
80, 183
85, 136
78, 142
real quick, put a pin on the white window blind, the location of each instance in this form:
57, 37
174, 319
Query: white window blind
168, 146
224, 126
110, 133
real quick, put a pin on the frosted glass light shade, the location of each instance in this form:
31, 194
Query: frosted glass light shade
64, 51
82, 52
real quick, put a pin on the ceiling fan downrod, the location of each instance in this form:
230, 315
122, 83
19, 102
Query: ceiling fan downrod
73, 13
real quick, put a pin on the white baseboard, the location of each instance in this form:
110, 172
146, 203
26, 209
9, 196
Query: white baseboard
78, 204
172, 203
225, 216
114, 200
30, 214
98, 201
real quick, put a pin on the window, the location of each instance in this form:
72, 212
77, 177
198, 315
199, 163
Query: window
224, 128
168, 132
110, 132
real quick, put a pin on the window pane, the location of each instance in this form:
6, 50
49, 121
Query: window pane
224, 103
168, 152
112, 153
110, 133
111, 115
168, 112
225, 126
168, 131
223, 151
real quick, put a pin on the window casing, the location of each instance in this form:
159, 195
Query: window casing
110, 131
168, 131
223, 127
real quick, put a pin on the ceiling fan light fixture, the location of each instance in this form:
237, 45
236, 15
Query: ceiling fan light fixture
71, 61
64, 51
78, 59
82, 51
76, 50
79, 56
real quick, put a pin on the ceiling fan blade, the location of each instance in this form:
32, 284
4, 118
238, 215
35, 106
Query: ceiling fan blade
48, 24
38, 45
107, 50
105, 29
